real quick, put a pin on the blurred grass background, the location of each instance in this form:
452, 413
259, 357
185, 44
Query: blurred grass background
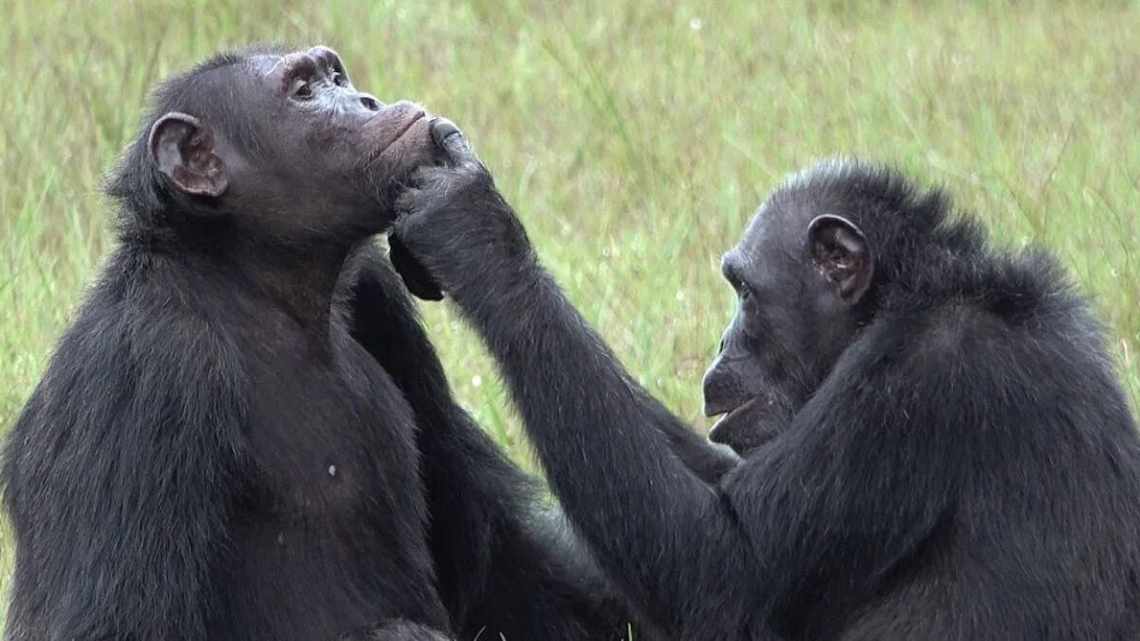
634, 138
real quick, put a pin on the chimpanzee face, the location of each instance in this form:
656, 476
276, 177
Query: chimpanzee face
799, 274
300, 152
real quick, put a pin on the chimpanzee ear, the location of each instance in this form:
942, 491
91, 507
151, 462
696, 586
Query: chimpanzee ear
841, 255
183, 149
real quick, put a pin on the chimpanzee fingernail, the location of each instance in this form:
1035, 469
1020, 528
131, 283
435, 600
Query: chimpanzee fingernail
442, 129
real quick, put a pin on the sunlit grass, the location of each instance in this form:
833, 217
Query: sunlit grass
635, 139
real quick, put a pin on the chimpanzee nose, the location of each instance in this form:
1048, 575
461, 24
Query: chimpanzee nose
370, 103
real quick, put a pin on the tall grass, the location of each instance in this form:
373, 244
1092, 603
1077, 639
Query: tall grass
634, 138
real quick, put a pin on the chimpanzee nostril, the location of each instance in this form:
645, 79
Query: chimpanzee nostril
370, 103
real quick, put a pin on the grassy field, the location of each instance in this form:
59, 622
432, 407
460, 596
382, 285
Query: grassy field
635, 141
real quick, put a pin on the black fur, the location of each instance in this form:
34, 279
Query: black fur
244, 435
954, 458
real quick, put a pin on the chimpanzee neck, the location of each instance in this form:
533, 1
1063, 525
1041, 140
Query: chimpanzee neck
300, 279
297, 278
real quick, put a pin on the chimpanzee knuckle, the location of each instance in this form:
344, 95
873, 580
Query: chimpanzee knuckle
435, 179
419, 179
451, 176
436, 201
470, 166
479, 173
419, 176
408, 202
439, 181
440, 174
406, 228
465, 185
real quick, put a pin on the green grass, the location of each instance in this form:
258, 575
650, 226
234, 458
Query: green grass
635, 140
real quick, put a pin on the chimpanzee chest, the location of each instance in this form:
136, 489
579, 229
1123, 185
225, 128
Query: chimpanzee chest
334, 439
333, 514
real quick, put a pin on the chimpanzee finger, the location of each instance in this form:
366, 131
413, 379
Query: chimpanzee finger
450, 139
415, 276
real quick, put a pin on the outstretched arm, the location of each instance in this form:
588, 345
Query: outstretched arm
707, 460
504, 566
658, 528
816, 514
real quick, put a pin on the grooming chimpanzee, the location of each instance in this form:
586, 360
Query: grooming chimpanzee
245, 434
935, 444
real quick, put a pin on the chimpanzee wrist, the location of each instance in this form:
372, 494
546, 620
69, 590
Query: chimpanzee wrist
500, 276
487, 245
502, 290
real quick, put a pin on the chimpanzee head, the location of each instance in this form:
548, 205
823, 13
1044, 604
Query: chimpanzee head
811, 271
281, 143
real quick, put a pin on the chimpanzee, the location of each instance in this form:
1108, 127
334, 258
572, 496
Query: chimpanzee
245, 433
935, 443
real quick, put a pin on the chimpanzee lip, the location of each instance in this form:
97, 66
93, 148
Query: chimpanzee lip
419, 115
757, 432
736, 411
746, 412
416, 117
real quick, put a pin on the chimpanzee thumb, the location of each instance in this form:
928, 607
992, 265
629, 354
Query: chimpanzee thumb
451, 140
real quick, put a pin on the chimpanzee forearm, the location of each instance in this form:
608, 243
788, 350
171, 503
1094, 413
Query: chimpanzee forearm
502, 566
656, 527
402, 631
707, 460
596, 435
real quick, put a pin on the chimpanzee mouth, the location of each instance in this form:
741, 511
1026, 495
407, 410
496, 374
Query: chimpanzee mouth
419, 115
735, 413
748, 426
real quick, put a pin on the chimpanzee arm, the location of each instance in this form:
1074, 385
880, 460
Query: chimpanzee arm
404, 631
686, 552
839, 498
503, 566
669, 538
709, 461
118, 476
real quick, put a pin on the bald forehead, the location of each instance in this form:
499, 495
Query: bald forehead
759, 230
771, 224
264, 64
270, 62
746, 255
772, 237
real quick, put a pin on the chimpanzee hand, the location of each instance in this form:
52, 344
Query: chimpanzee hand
453, 226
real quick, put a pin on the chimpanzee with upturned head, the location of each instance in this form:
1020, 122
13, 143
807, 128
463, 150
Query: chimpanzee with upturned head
245, 434
935, 444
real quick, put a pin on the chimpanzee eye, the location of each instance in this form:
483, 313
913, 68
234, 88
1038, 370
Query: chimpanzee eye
301, 90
